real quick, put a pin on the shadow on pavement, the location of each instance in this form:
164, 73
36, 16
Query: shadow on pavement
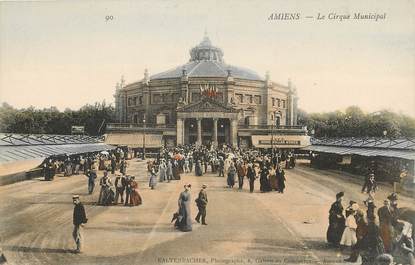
61, 193
65, 202
134, 229
37, 250
318, 245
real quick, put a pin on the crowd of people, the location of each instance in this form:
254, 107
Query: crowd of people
114, 167
116, 186
235, 165
376, 236
384, 236
69, 165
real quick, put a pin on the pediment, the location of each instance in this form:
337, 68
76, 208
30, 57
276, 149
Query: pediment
206, 105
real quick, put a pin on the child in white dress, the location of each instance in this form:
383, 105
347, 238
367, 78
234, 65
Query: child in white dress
349, 234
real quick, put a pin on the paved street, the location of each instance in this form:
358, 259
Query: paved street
243, 228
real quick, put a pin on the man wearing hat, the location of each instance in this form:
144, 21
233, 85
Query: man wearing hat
386, 228
201, 202
393, 198
336, 221
79, 218
92, 175
120, 184
366, 183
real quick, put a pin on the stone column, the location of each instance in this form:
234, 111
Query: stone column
215, 132
180, 131
199, 131
234, 132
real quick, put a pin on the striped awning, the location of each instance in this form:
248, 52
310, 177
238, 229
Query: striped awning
134, 140
405, 154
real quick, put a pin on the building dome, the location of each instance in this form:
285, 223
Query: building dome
206, 60
206, 51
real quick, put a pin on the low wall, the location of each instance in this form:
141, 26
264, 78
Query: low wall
19, 171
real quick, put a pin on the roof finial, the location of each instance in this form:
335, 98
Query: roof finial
206, 33
146, 76
122, 82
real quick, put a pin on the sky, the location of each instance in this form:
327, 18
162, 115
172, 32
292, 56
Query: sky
67, 54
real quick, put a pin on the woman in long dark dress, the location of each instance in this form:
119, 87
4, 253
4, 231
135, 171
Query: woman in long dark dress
198, 168
135, 197
231, 176
185, 218
281, 180
336, 221
371, 245
273, 180
263, 179
176, 170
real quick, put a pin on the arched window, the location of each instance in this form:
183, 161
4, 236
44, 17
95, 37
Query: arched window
246, 121
277, 120
167, 118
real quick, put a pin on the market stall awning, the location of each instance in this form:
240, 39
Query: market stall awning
134, 140
405, 154
25, 152
280, 141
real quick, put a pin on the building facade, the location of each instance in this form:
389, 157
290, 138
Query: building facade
207, 101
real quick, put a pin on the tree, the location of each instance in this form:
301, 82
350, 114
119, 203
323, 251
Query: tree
52, 121
355, 123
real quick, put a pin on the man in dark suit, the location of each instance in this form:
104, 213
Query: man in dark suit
127, 191
251, 175
120, 184
79, 218
385, 225
201, 202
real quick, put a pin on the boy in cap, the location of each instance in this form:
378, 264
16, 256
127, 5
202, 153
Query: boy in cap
79, 218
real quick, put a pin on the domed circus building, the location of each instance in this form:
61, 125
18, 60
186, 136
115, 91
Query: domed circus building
206, 101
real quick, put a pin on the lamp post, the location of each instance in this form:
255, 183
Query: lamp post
272, 137
144, 137
221, 128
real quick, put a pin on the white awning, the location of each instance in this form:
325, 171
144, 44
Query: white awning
280, 141
134, 140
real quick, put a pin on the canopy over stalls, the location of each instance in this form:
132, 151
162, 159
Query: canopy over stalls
399, 148
410, 155
18, 147
23, 152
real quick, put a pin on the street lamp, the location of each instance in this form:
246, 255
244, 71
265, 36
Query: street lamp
144, 137
272, 136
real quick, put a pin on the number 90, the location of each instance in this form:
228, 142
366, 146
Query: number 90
109, 18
